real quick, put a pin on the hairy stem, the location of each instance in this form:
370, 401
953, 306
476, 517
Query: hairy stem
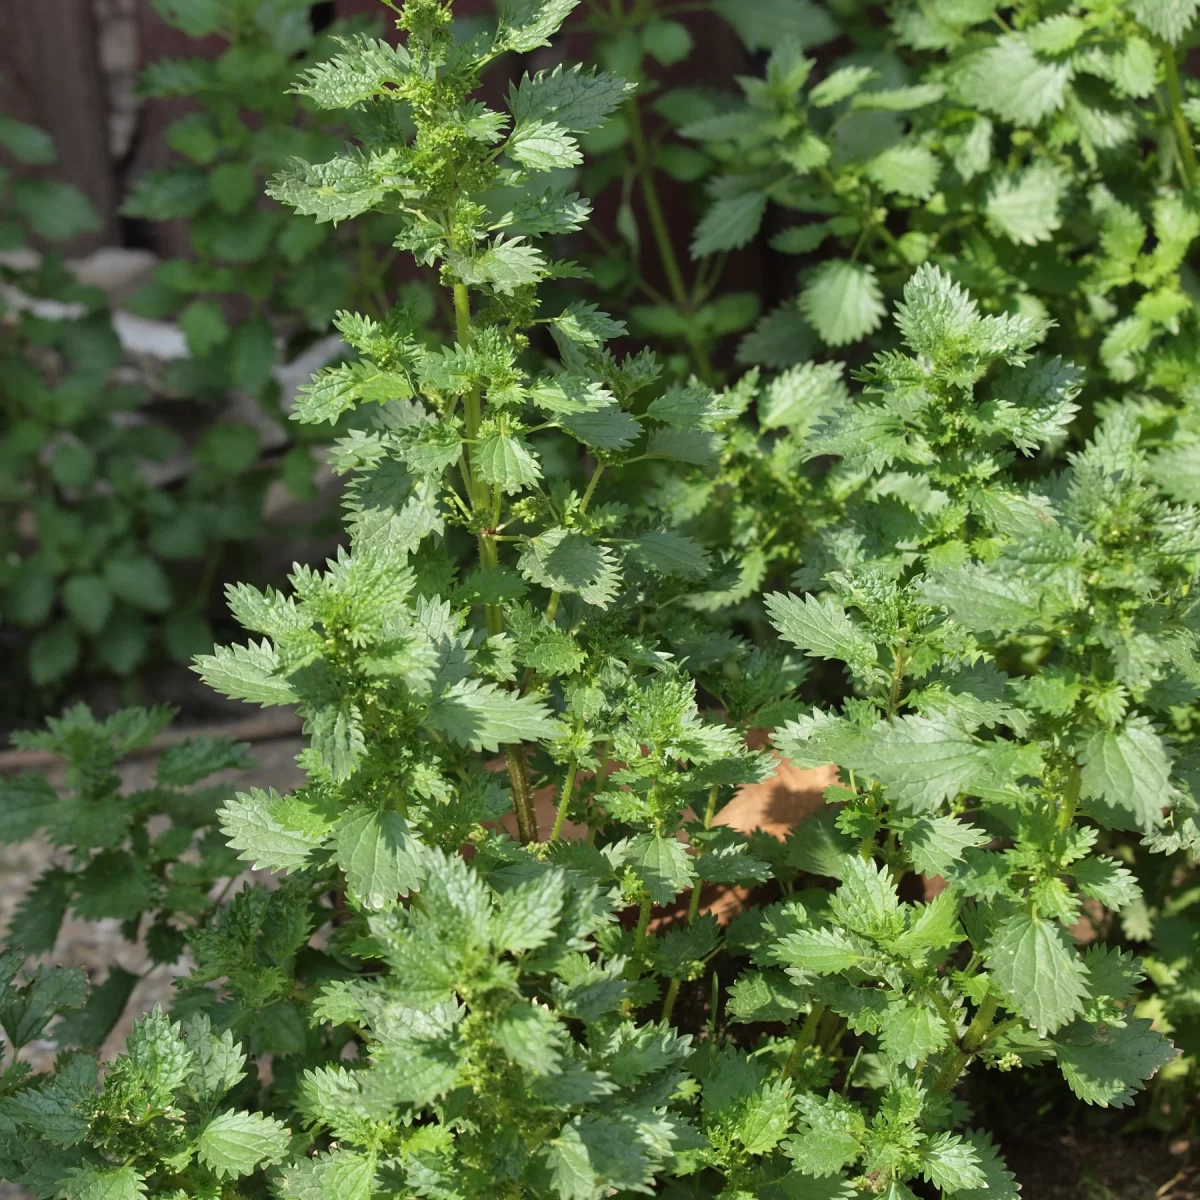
489, 556
564, 801
977, 1034
693, 912
518, 777
977, 1031
710, 813
643, 928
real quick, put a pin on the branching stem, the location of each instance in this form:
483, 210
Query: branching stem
489, 557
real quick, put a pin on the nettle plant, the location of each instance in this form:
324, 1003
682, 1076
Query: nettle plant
450, 1011
1044, 159
149, 857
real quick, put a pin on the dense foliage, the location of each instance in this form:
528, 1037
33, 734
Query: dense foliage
962, 578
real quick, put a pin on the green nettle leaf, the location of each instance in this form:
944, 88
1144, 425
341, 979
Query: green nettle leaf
905, 170
337, 390
271, 831
767, 23
922, 761
245, 673
96, 1183
951, 1163
668, 553
506, 462
832, 1139
1107, 1063
800, 397
821, 627
337, 1175
544, 146
1031, 88
910, 1033
843, 302
574, 99
661, 863
1128, 768
1025, 207
1039, 973
766, 1117
503, 266
824, 951
566, 561
485, 717
1168, 19
366, 68
729, 224
935, 844
235, 1143
379, 856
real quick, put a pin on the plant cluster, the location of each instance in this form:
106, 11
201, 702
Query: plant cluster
84, 534
149, 858
539, 598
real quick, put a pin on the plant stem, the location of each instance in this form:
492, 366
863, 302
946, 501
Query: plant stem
951, 1072
804, 1039
590, 491
710, 813
662, 238
518, 777
568, 787
977, 1033
1070, 798
693, 912
471, 405
643, 927
1183, 135
489, 556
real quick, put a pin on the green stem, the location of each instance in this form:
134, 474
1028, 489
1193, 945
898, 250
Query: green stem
710, 813
643, 927
669, 1000
976, 1036
565, 800
804, 1039
693, 912
1183, 135
590, 491
662, 238
472, 410
518, 776
952, 1069
489, 556
1070, 798
897, 680
977, 1031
